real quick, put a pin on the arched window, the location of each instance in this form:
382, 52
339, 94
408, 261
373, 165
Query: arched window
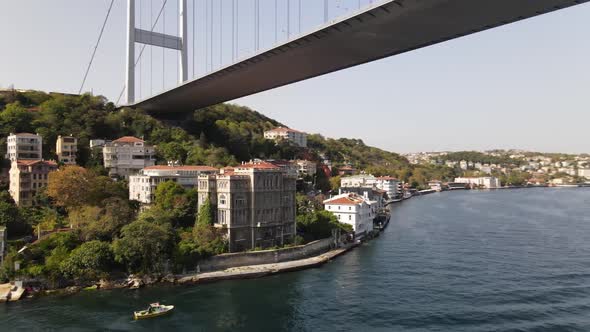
221, 199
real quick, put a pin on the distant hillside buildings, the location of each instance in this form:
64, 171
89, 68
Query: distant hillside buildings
127, 156
66, 149
142, 187
489, 182
24, 146
292, 135
388, 184
27, 177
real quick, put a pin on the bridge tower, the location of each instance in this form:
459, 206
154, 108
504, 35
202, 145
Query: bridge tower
147, 37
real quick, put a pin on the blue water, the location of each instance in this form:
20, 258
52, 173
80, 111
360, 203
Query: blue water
509, 260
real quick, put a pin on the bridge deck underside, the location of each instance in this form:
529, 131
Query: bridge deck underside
392, 28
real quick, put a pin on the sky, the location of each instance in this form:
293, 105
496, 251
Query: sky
523, 85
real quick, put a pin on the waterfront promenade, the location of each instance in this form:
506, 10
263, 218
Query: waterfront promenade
256, 271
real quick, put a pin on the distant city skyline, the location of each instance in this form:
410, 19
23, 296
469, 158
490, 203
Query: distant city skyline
521, 86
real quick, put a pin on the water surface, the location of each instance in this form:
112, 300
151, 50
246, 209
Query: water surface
508, 260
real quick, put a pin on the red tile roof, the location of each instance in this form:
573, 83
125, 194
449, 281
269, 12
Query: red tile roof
259, 165
349, 199
34, 162
182, 168
128, 139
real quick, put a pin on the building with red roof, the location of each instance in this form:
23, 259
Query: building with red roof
355, 210
142, 186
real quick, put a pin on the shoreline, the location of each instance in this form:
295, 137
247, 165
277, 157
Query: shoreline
232, 273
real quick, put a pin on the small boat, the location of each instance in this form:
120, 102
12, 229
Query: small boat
154, 310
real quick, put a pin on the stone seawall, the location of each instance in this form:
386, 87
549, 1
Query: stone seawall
225, 261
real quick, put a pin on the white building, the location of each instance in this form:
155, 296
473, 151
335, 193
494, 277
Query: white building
390, 184
360, 180
584, 172
354, 210
66, 148
24, 146
488, 182
142, 187
306, 167
127, 156
282, 133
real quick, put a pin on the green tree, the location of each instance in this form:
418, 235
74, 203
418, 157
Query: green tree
89, 261
143, 246
319, 225
206, 216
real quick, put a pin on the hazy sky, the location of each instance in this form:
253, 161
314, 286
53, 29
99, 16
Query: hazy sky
525, 85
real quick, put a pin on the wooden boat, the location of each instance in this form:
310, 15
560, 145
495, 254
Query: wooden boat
154, 310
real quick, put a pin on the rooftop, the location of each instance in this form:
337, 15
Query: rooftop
34, 162
284, 130
181, 168
345, 199
258, 165
128, 139
387, 178
23, 134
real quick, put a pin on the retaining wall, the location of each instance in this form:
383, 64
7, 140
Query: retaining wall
224, 261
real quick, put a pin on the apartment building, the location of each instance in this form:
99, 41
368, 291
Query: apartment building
306, 168
127, 156
66, 148
254, 203
488, 182
27, 177
24, 146
390, 185
360, 180
142, 187
292, 135
355, 210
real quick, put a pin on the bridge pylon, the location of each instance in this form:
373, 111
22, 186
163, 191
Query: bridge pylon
149, 37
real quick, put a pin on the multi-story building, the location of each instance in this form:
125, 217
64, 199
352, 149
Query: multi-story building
127, 156
292, 135
360, 180
27, 177
354, 210
489, 182
306, 167
24, 146
390, 184
584, 172
254, 204
66, 148
142, 187
3, 239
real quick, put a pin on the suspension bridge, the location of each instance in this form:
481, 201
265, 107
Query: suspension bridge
282, 49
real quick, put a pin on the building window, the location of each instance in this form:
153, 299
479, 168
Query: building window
222, 200
349, 217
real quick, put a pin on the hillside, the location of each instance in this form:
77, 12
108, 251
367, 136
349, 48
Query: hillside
220, 135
